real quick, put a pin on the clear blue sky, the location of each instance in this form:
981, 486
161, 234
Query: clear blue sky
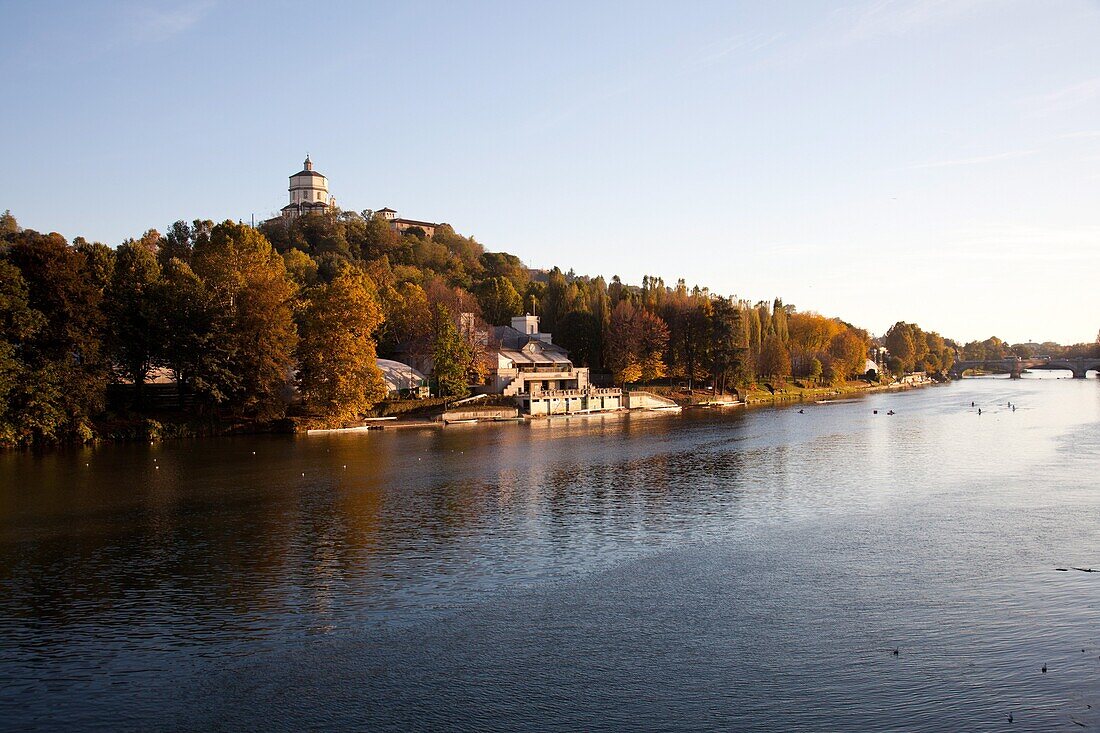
936, 161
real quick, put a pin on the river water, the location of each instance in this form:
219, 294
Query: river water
714, 570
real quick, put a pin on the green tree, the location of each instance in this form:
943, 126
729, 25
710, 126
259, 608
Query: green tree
19, 323
499, 300
900, 342
136, 336
338, 373
451, 355
728, 352
580, 334
815, 369
65, 367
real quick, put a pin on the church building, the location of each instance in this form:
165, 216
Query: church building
308, 193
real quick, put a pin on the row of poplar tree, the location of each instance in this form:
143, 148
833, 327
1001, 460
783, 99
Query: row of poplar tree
292, 314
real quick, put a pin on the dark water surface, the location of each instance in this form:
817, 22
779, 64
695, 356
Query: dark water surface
715, 570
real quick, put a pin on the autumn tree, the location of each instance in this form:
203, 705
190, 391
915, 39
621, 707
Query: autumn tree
636, 344
774, 360
849, 353
338, 375
623, 344
254, 329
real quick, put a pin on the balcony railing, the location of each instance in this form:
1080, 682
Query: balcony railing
601, 392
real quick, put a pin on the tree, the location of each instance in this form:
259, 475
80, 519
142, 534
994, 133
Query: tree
450, 355
690, 338
729, 354
136, 336
623, 345
815, 369
301, 268
19, 322
8, 224
849, 353
774, 359
65, 367
192, 347
499, 300
636, 344
580, 334
253, 327
652, 340
901, 344
338, 375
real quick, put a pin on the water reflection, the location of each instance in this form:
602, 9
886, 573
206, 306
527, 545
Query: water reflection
722, 542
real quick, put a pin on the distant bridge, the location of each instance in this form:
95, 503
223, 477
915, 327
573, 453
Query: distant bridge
1014, 366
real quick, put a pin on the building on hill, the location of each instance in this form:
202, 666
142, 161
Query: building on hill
401, 226
308, 193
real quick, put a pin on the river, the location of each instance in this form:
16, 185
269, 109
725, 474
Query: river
714, 570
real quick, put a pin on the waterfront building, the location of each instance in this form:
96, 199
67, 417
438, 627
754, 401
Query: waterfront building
402, 380
540, 375
308, 193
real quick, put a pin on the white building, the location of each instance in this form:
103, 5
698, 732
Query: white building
402, 379
540, 375
308, 193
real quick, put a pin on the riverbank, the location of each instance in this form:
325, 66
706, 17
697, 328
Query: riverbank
796, 393
437, 413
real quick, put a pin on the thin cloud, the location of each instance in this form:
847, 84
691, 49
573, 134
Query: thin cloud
747, 42
974, 160
1021, 242
882, 18
159, 22
1065, 98
1079, 135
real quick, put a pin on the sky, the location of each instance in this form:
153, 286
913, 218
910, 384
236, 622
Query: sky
933, 161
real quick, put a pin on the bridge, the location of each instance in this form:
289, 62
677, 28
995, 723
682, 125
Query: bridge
1013, 365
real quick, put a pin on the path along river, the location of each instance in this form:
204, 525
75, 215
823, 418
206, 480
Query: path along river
714, 570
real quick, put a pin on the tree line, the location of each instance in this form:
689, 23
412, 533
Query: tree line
291, 315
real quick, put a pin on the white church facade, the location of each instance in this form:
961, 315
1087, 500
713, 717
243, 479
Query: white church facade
308, 193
